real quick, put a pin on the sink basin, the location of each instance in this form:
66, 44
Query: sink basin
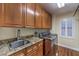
18, 43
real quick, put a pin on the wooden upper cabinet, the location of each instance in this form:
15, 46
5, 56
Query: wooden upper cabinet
42, 18
30, 13
49, 21
13, 14
1, 14
46, 21
38, 20
24, 15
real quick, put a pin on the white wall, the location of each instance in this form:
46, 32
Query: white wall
73, 42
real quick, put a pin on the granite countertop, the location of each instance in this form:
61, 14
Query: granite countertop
5, 51
47, 38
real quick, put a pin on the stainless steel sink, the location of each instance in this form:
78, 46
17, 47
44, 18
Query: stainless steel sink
18, 43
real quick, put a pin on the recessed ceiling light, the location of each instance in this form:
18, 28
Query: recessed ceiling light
60, 5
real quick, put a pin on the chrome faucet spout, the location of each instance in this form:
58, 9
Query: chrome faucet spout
18, 34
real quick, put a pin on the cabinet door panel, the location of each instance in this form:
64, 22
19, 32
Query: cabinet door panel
30, 7
38, 20
23, 13
29, 51
13, 14
47, 46
1, 14
19, 53
46, 21
50, 21
35, 49
40, 49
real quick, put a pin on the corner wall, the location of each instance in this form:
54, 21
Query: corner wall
72, 43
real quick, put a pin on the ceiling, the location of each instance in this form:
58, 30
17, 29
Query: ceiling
53, 8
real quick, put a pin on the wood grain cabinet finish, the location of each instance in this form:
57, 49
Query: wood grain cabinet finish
30, 14
42, 18
1, 14
49, 24
62, 51
38, 16
34, 50
47, 46
24, 15
19, 53
29, 51
46, 20
23, 9
40, 49
13, 14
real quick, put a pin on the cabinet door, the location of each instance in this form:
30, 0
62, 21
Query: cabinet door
1, 14
75, 53
13, 14
46, 21
23, 13
35, 49
32, 50
29, 51
19, 53
40, 49
49, 21
38, 15
29, 20
47, 46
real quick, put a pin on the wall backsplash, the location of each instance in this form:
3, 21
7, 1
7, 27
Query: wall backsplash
8, 33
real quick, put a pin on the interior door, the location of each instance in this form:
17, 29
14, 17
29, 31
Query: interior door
13, 14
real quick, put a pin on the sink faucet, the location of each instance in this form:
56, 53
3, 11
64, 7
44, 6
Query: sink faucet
18, 34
